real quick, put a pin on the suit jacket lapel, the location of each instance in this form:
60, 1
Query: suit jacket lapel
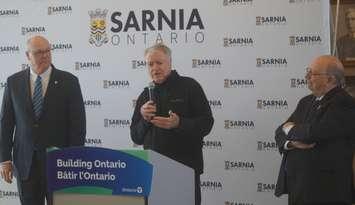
309, 109
313, 110
53, 81
27, 93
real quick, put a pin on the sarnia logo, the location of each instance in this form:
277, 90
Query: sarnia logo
95, 142
55, 10
216, 145
266, 146
206, 63
33, 30
87, 66
112, 123
215, 104
239, 165
237, 203
92, 103
277, 62
9, 12
239, 124
305, 40
270, 20
134, 26
9, 49
62, 47
139, 64
238, 83
298, 83
211, 186
261, 187
238, 41
8, 194
272, 104
237, 2
179, 23
98, 35
116, 84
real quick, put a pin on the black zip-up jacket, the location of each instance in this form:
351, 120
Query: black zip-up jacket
185, 97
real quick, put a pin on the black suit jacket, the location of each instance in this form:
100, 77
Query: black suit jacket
323, 173
62, 122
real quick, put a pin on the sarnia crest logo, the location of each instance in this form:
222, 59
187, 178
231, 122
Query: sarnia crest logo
8, 194
98, 35
211, 185
262, 187
266, 104
94, 142
239, 165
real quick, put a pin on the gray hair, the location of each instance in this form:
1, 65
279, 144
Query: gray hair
159, 46
335, 68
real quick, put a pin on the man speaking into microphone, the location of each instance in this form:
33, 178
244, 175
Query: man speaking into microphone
172, 115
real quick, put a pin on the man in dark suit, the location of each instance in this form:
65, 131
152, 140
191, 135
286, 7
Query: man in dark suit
317, 141
42, 107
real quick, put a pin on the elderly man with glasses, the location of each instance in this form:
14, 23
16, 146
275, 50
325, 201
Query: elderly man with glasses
317, 140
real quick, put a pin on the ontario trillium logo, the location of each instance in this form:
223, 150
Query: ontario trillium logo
98, 35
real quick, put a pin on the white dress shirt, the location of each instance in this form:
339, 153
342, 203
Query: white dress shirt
45, 80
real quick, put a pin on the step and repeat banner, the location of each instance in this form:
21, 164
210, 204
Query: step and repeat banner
248, 55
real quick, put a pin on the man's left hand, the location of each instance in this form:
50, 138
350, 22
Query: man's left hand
170, 122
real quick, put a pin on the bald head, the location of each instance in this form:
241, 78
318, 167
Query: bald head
333, 66
326, 72
39, 54
34, 41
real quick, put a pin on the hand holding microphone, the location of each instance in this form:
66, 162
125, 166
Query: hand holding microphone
149, 108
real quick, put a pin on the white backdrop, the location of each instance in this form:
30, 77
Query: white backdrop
249, 56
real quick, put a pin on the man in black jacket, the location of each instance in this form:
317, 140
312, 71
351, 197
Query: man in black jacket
317, 141
175, 121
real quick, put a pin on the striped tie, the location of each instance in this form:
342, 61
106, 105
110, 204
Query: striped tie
37, 99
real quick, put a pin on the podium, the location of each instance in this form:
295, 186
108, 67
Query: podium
100, 176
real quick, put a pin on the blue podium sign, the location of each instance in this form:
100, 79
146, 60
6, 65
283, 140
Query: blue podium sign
91, 170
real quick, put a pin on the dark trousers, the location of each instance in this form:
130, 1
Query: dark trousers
197, 189
33, 191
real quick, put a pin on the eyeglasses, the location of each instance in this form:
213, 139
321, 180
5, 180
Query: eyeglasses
309, 72
40, 52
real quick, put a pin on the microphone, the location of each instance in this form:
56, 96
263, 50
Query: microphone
151, 87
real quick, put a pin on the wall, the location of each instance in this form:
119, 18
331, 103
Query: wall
249, 56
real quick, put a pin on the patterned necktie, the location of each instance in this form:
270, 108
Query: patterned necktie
37, 99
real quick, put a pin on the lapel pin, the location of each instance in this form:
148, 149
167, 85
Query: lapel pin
56, 82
